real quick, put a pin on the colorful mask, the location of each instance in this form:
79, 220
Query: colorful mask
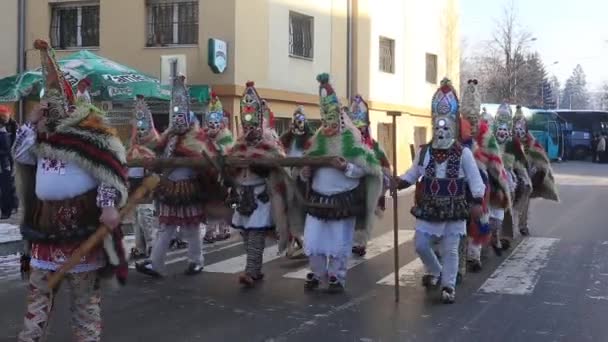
487, 117
180, 120
444, 109
253, 110
520, 126
298, 122
143, 122
57, 92
503, 123
470, 104
359, 112
214, 118
332, 120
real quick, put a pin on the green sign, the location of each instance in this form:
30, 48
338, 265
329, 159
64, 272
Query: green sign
218, 55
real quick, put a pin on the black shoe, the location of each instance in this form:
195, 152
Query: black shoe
497, 250
524, 231
193, 269
209, 240
448, 295
359, 250
311, 282
146, 268
429, 281
474, 266
506, 244
334, 285
136, 254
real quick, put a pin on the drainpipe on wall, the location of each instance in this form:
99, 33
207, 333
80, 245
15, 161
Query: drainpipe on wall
21, 6
349, 49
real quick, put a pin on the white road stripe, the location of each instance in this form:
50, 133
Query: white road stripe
178, 256
237, 264
598, 275
519, 273
375, 247
409, 274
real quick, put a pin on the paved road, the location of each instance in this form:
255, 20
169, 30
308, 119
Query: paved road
552, 287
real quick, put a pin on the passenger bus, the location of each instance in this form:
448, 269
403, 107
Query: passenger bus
583, 126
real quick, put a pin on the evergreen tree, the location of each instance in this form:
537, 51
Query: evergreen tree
575, 95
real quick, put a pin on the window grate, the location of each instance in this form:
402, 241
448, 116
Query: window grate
75, 26
431, 68
301, 35
172, 23
387, 55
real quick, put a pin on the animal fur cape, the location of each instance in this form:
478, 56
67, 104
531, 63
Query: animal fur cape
543, 186
347, 144
277, 183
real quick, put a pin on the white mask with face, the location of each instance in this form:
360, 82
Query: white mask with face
444, 133
502, 133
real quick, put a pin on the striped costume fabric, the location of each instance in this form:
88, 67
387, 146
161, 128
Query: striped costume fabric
85, 307
254, 242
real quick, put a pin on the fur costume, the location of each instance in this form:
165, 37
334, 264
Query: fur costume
257, 122
541, 173
347, 143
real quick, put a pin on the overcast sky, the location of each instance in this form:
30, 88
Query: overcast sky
568, 31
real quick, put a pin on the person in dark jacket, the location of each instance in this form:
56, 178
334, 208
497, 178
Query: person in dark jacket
7, 185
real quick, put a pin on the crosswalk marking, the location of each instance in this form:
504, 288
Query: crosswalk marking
237, 264
520, 272
375, 247
409, 274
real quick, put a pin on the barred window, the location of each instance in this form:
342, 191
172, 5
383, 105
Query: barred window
431, 68
301, 35
387, 55
75, 26
173, 22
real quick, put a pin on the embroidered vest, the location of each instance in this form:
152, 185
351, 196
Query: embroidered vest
442, 199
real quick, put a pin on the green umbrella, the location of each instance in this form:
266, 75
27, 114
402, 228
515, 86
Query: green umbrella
110, 81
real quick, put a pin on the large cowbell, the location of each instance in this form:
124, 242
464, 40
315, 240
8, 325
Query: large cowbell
180, 106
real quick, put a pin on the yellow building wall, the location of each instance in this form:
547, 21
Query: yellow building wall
8, 38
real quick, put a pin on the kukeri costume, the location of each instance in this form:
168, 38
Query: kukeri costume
350, 194
180, 197
294, 141
261, 192
488, 157
218, 141
539, 169
515, 163
441, 208
143, 134
67, 173
359, 115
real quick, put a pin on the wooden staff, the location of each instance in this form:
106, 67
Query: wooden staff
96, 239
395, 204
165, 163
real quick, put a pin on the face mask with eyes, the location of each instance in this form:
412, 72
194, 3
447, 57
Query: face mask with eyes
443, 133
330, 124
520, 129
298, 125
503, 133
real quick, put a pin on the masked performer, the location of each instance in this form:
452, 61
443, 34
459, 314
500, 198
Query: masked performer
359, 115
261, 192
180, 198
441, 206
72, 178
539, 169
515, 162
8, 197
293, 141
143, 134
218, 142
343, 197
488, 156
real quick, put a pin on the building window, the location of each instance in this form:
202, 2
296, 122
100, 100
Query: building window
282, 125
301, 35
173, 22
75, 26
387, 55
431, 68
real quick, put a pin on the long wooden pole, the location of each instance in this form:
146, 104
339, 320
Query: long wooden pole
395, 205
96, 239
165, 163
